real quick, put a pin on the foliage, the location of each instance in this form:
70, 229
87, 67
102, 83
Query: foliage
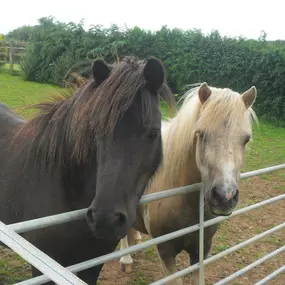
21, 34
189, 57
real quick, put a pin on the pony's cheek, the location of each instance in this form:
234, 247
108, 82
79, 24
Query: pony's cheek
202, 161
202, 167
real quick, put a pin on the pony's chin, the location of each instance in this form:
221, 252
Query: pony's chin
105, 235
217, 212
109, 238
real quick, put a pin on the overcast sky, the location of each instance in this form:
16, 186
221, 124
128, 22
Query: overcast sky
233, 18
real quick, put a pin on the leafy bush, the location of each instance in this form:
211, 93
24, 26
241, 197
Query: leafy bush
189, 57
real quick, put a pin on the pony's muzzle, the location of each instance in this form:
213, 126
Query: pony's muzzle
223, 199
107, 225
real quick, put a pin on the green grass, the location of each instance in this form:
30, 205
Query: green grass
267, 148
17, 93
16, 67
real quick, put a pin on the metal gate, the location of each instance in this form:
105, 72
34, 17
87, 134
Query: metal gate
9, 235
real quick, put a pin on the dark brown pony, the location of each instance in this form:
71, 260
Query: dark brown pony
96, 149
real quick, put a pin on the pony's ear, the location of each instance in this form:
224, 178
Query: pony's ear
249, 97
154, 73
204, 92
100, 70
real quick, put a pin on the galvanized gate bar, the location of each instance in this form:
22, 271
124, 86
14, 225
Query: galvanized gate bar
58, 219
271, 276
118, 254
262, 171
79, 214
201, 238
250, 266
37, 258
211, 259
48, 221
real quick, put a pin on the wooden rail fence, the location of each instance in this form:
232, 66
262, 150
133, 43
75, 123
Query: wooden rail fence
11, 52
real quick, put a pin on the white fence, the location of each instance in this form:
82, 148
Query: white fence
54, 271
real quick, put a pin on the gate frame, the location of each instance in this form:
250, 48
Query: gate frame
30, 225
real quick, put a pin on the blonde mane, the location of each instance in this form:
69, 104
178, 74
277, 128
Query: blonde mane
223, 106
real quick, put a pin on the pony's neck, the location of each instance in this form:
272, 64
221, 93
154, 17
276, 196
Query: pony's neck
48, 143
179, 160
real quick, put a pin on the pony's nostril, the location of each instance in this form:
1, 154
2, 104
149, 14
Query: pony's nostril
120, 219
235, 197
215, 194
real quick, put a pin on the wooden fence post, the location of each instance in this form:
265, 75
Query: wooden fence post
11, 56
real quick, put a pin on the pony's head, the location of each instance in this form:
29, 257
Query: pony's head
125, 122
222, 131
104, 141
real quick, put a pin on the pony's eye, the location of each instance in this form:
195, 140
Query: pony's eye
247, 139
201, 135
153, 134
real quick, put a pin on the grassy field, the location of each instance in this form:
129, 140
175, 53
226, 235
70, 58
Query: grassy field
267, 149
17, 93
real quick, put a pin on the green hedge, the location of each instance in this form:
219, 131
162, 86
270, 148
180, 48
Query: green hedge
189, 57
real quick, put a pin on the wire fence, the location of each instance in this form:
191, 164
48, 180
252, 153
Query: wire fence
57, 273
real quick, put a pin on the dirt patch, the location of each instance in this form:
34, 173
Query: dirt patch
147, 268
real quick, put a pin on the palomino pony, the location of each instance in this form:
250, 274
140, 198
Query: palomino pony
96, 149
204, 142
